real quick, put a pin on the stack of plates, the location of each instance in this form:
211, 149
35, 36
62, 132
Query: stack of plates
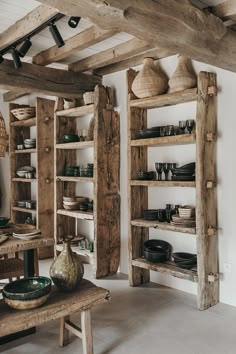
185, 260
21, 203
26, 234
184, 173
183, 222
73, 203
30, 143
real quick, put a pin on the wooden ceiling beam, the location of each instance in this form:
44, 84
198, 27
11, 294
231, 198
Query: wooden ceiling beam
55, 82
174, 24
110, 56
226, 10
26, 24
13, 95
74, 44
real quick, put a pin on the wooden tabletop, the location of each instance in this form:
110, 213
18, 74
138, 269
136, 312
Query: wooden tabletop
58, 305
15, 245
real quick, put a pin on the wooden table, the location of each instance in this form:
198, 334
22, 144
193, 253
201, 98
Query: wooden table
59, 306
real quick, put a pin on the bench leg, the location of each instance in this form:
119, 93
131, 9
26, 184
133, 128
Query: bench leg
64, 333
87, 336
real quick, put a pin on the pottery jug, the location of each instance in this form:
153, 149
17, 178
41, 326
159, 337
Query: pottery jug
184, 76
150, 81
67, 271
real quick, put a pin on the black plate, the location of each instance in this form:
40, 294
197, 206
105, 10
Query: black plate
183, 256
183, 178
189, 166
148, 134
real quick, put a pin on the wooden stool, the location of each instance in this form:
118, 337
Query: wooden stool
85, 332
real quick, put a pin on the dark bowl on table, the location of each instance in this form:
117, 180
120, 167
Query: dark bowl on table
70, 138
4, 221
27, 288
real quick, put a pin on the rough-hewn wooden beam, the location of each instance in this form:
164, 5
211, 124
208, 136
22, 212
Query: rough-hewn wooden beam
76, 43
131, 62
26, 24
35, 78
110, 56
174, 24
226, 10
13, 95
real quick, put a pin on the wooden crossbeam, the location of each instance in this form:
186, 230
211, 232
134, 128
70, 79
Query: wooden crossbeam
163, 24
226, 10
13, 95
49, 81
110, 56
74, 44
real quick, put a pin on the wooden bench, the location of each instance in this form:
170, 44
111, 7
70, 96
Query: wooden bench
59, 306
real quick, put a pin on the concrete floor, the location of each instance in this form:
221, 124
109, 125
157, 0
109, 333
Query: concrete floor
150, 319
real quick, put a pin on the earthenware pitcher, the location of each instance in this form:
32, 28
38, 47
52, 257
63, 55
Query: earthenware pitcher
184, 76
150, 81
67, 271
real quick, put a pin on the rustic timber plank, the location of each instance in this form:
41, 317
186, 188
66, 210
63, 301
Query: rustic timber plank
77, 43
24, 210
77, 111
206, 206
25, 151
24, 123
163, 183
24, 180
13, 95
58, 305
167, 268
83, 215
162, 226
78, 145
168, 99
13, 244
74, 179
165, 140
36, 78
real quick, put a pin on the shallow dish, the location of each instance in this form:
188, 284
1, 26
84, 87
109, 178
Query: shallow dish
25, 237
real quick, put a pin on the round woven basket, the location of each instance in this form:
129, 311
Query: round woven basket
23, 113
3, 137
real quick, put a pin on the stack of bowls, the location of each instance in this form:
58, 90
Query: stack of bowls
157, 251
30, 143
73, 203
21, 203
22, 171
185, 217
83, 206
72, 171
185, 260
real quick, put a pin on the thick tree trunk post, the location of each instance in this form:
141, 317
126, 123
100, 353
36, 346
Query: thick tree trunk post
206, 216
137, 196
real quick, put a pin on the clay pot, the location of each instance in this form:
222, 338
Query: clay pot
67, 271
150, 81
184, 76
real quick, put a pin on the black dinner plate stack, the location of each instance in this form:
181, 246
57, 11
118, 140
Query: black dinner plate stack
184, 173
185, 260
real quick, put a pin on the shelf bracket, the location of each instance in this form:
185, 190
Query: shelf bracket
210, 137
210, 184
211, 231
47, 149
212, 90
47, 120
213, 277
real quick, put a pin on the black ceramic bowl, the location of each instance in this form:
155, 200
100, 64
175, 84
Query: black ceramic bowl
27, 288
184, 256
4, 221
155, 257
150, 214
158, 246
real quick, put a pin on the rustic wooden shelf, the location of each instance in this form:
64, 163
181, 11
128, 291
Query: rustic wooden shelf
24, 180
162, 226
74, 179
168, 99
169, 268
25, 151
77, 145
24, 123
24, 210
182, 139
76, 112
83, 215
163, 183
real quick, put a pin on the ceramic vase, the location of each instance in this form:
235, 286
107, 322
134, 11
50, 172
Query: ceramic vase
67, 271
184, 76
150, 81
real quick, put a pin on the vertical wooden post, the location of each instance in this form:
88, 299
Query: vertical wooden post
87, 336
106, 184
206, 216
137, 196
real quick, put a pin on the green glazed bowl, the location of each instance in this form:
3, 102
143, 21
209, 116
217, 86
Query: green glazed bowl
27, 288
4, 221
70, 138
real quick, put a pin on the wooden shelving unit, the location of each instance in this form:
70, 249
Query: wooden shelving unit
21, 188
206, 274
105, 181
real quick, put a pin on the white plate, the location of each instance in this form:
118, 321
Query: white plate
24, 233
26, 237
26, 168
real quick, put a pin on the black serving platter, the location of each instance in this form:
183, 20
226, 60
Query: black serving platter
183, 178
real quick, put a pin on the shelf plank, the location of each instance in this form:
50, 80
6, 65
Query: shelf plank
77, 145
162, 226
181, 139
24, 123
163, 183
25, 180
24, 210
167, 268
76, 112
76, 214
74, 179
25, 151
86, 255
168, 99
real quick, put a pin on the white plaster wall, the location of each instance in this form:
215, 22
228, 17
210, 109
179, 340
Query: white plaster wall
158, 197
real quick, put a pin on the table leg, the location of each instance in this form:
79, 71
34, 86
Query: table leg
87, 336
64, 333
29, 263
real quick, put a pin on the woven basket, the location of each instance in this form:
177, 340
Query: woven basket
23, 113
3, 137
88, 97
